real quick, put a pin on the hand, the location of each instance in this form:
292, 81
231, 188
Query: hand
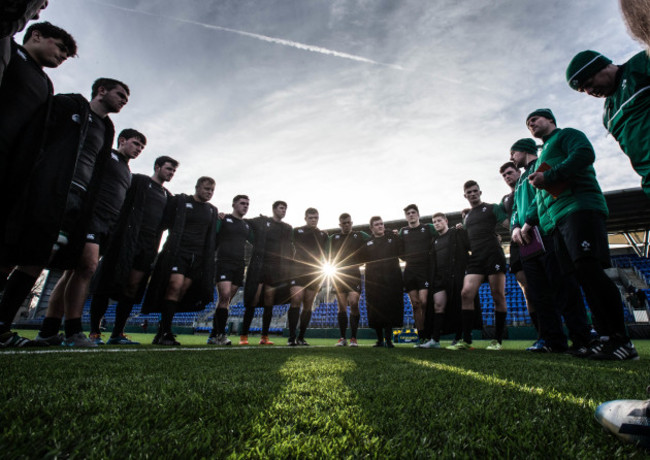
526, 234
459, 226
536, 179
222, 215
516, 236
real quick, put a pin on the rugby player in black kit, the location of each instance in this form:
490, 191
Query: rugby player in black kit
344, 254
268, 270
49, 228
127, 263
232, 233
487, 260
310, 245
183, 276
415, 246
71, 291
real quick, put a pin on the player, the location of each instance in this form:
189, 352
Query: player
487, 260
344, 254
183, 275
268, 276
384, 286
415, 245
125, 268
49, 229
310, 245
232, 233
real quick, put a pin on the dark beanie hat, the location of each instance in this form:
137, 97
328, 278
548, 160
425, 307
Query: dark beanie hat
527, 145
583, 66
546, 113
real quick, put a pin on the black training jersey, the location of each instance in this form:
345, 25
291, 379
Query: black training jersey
154, 207
441, 247
345, 250
25, 88
197, 221
232, 234
273, 245
480, 223
93, 143
415, 244
310, 244
114, 183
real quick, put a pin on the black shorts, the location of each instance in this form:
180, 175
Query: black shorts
147, 250
347, 279
515, 259
416, 278
188, 264
580, 235
99, 229
230, 271
441, 282
272, 273
486, 262
305, 276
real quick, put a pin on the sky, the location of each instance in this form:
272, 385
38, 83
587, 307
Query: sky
346, 106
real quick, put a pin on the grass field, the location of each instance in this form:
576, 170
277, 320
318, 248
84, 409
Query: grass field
310, 402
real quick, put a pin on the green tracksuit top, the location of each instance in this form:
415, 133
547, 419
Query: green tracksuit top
570, 155
627, 114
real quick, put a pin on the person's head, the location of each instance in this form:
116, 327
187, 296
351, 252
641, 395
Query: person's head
204, 189
523, 152
345, 223
240, 205
541, 122
164, 168
592, 73
412, 214
130, 143
510, 173
111, 94
48, 44
472, 193
279, 210
311, 217
440, 222
377, 226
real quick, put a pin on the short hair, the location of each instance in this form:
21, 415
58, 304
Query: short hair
345, 215
412, 206
374, 219
507, 165
439, 214
130, 133
239, 197
280, 203
48, 30
204, 179
311, 211
160, 161
470, 183
108, 84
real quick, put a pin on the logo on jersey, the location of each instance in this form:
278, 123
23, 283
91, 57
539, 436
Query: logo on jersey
337, 237
354, 236
484, 209
229, 220
189, 205
174, 269
426, 284
423, 229
301, 230
390, 240
90, 236
223, 277
268, 224
370, 243
406, 232
586, 246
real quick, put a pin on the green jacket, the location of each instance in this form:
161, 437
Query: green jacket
524, 199
570, 156
627, 114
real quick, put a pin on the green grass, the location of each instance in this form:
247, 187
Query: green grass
310, 402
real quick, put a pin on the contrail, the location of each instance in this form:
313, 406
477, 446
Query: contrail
265, 38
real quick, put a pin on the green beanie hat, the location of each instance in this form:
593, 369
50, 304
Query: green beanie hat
527, 145
546, 113
583, 66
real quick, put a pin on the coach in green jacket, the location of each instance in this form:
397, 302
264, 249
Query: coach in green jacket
626, 88
569, 194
